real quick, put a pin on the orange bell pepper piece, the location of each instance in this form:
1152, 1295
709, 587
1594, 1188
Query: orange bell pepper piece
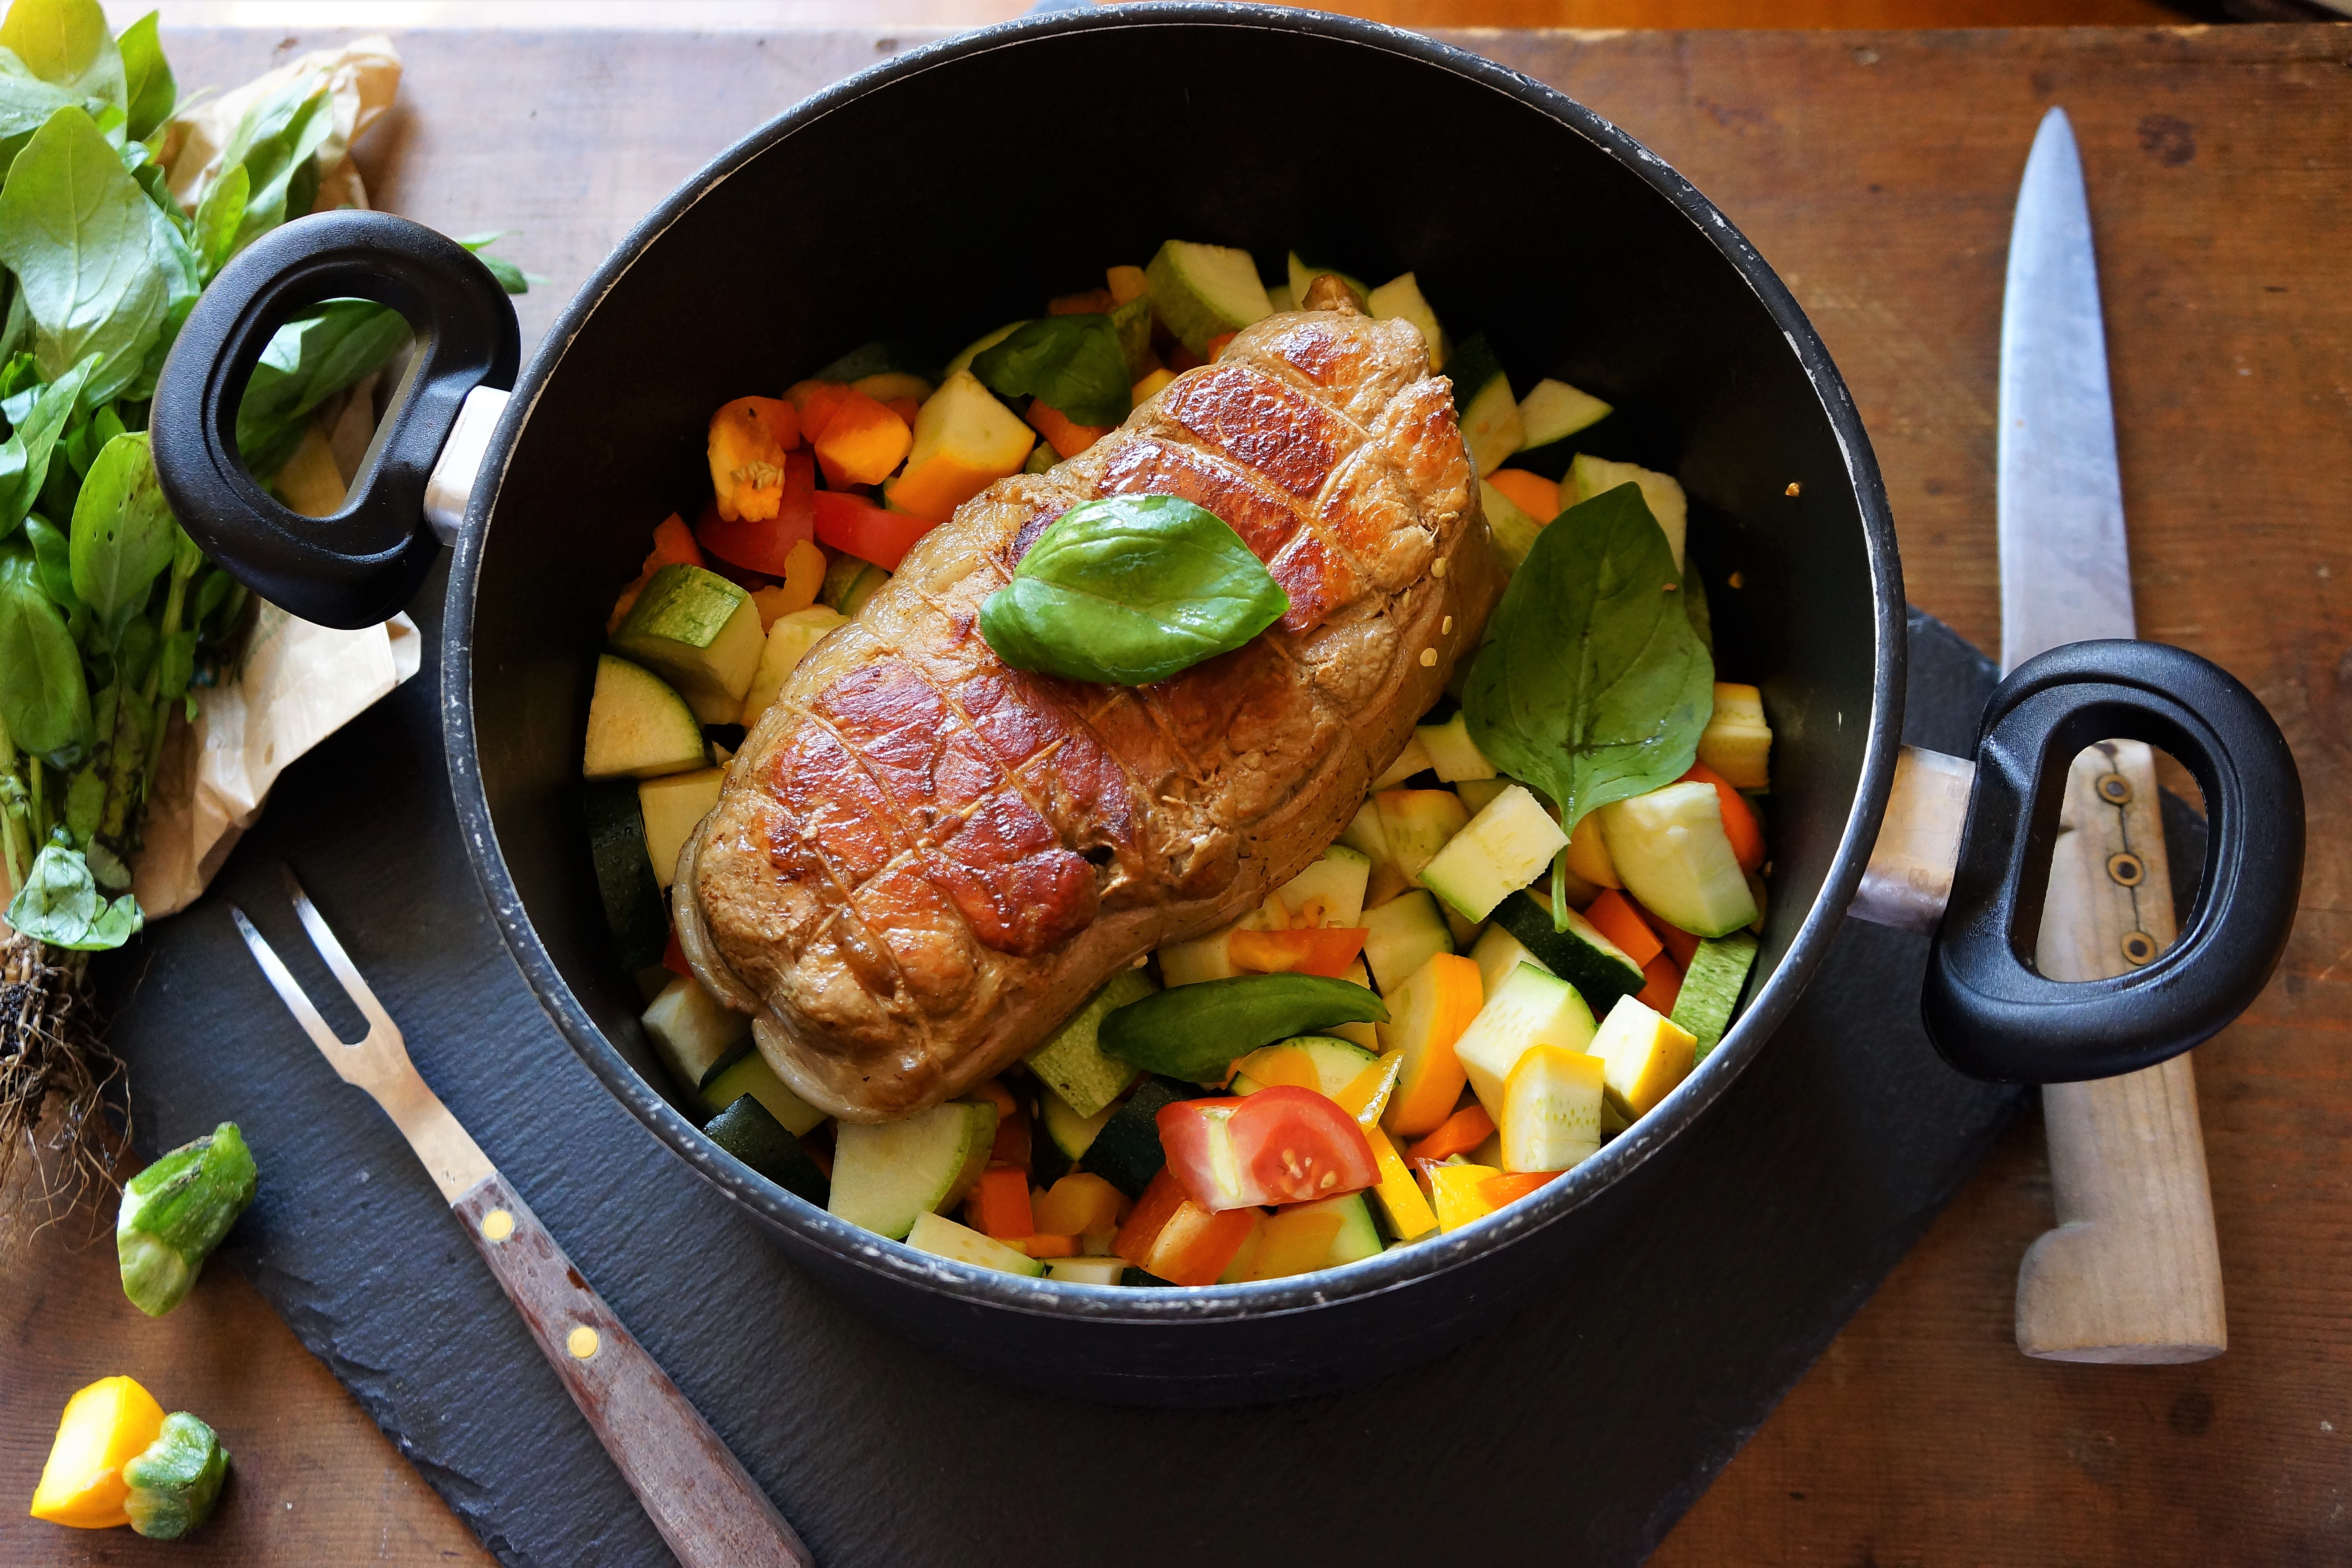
1613, 916
814, 402
1680, 945
1175, 1238
998, 1205
863, 443
1080, 1203
1327, 950
1497, 1191
747, 460
1458, 1134
1665, 984
674, 544
1048, 1245
1066, 438
1126, 283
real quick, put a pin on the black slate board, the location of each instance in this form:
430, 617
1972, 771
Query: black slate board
1579, 1432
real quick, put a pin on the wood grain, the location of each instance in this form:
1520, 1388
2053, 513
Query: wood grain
1877, 172
710, 1512
2132, 1273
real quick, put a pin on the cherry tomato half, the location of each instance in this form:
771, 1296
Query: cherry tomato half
1281, 1145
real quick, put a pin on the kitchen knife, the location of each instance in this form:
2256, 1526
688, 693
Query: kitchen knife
2132, 1273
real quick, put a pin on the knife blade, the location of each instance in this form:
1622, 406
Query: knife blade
2065, 570
2132, 1273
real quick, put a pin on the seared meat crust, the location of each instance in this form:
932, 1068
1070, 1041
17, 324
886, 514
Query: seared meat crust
922, 861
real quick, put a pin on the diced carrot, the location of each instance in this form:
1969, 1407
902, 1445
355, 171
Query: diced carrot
1153, 1211
1665, 984
998, 1205
1048, 1245
863, 442
674, 956
1127, 283
1093, 302
1531, 493
905, 408
1217, 345
1457, 1134
1011, 1144
1080, 1203
814, 402
1497, 1191
1680, 945
1740, 824
674, 544
1175, 1238
1328, 951
1066, 438
1613, 916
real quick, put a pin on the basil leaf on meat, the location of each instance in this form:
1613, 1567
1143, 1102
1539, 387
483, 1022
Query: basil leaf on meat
1127, 590
1197, 1032
123, 535
1591, 684
1073, 364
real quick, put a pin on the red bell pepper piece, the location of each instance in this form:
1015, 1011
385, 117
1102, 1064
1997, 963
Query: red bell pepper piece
764, 544
855, 526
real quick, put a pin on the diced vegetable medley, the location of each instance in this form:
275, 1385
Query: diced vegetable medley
1457, 1003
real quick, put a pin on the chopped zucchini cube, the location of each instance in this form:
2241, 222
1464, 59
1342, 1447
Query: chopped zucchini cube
699, 632
1451, 753
942, 1237
1551, 1110
692, 1032
1593, 475
1072, 1064
1646, 1055
673, 807
1736, 742
1399, 300
1553, 411
1669, 848
1531, 1009
638, 727
1502, 849
887, 1174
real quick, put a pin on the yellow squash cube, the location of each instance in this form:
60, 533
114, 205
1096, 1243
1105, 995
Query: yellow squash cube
1551, 1110
965, 440
105, 1426
1454, 1192
1646, 1055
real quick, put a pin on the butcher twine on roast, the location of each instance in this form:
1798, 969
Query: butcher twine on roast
922, 861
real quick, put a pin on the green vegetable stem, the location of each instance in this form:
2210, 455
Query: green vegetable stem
176, 1479
1127, 590
1196, 1032
1592, 684
176, 1211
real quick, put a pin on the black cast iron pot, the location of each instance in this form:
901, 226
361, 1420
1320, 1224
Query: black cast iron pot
903, 201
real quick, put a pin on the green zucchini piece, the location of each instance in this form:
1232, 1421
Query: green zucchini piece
1137, 1276
1483, 402
1505, 847
1710, 993
701, 633
1358, 1236
747, 1130
1068, 1133
1601, 971
747, 1072
886, 1174
1133, 323
175, 1212
1337, 1063
1672, 854
693, 1031
1404, 933
1664, 494
981, 345
175, 1480
1041, 457
1071, 1062
1087, 1270
1204, 291
1399, 298
638, 726
635, 909
849, 582
944, 1237
1553, 411
672, 807
1514, 530
1531, 1008
1453, 756
1126, 1151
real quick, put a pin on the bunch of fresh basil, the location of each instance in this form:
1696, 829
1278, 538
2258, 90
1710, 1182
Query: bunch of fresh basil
1595, 678
108, 613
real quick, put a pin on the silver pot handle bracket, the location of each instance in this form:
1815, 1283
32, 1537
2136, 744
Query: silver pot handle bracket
1909, 878
451, 489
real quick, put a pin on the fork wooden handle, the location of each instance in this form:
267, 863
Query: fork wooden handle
712, 1514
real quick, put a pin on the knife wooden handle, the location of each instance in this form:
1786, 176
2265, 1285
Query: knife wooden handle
711, 1513
2133, 1271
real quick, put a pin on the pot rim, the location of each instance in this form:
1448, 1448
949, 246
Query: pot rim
1385, 1271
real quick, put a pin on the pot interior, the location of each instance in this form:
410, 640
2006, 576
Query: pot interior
957, 190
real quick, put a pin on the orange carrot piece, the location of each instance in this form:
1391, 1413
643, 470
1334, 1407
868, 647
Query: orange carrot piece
1740, 824
814, 402
905, 408
1066, 438
1531, 493
1665, 984
1048, 1245
998, 1205
996, 1094
1613, 916
1497, 1191
862, 441
1680, 945
1327, 950
1457, 1134
1011, 1144
1217, 345
1126, 283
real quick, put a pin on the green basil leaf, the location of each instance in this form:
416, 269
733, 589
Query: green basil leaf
25, 103
53, 564
68, 43
1132, 321
1197, 1032
44, 699
25, 456
124, 533
1127, 590
1071, 363
86, 246
84, 801
134, 651
152, 93
1591, 684
217, 218
277, 141
514, 280
309, 360
60, 904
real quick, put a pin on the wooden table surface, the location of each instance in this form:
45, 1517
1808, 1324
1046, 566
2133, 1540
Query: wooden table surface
1876, 171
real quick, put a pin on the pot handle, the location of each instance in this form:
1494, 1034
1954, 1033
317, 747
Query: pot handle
362, 565
1989, 1011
